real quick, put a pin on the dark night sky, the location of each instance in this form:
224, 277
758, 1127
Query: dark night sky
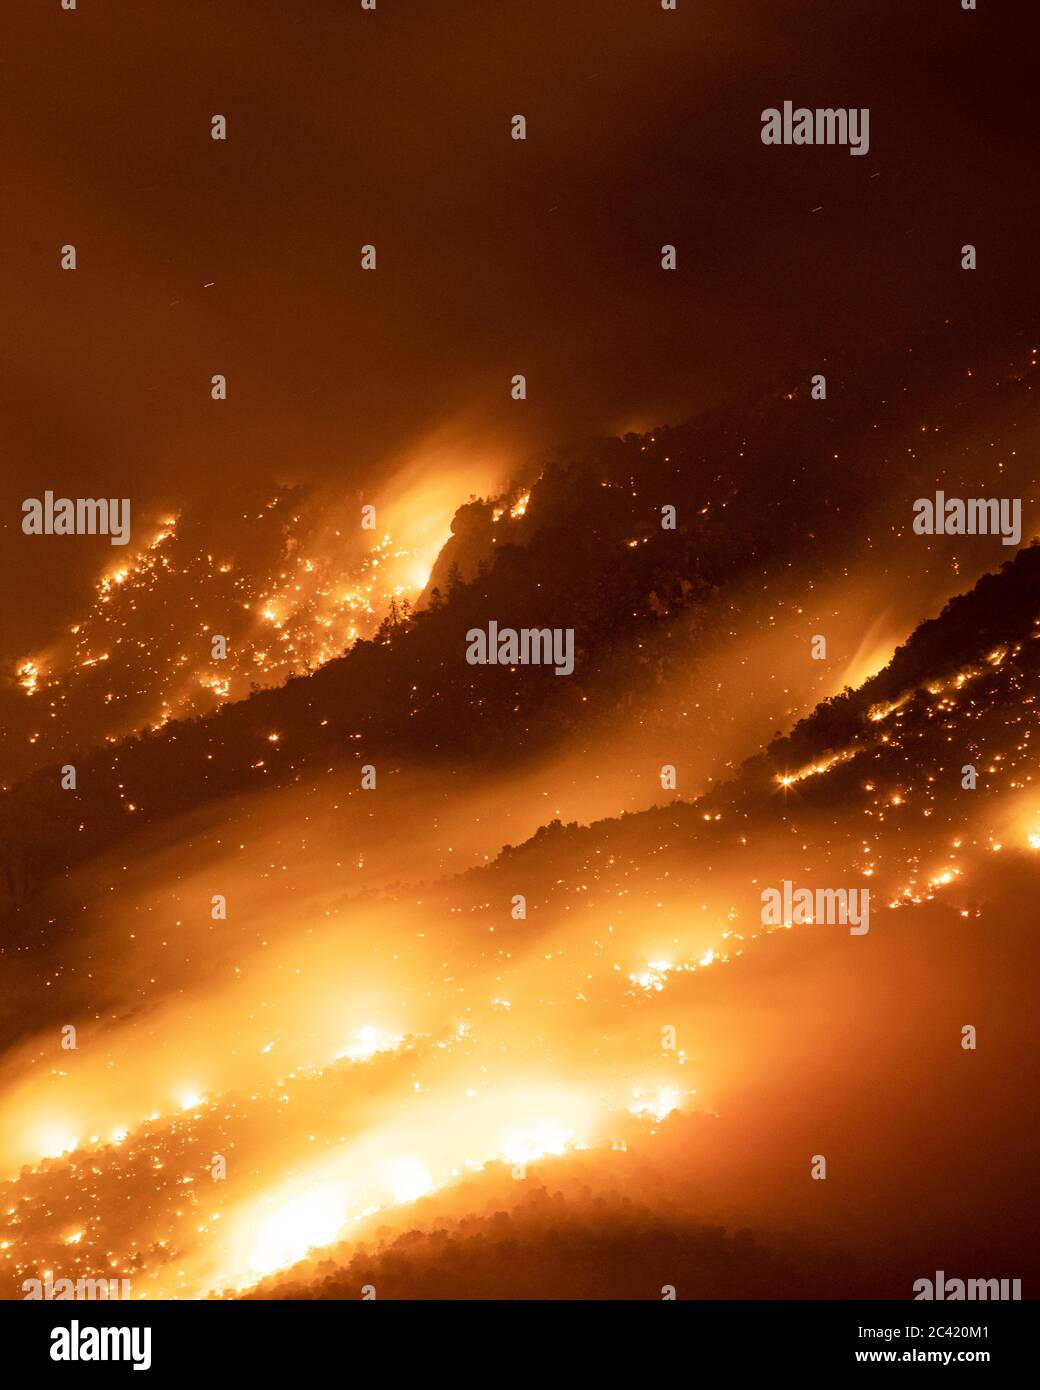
495, 257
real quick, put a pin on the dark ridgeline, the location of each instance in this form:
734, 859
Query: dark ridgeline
589, 553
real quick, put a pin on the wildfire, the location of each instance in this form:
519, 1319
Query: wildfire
29, 677
302, 601
657, 1106
788, 779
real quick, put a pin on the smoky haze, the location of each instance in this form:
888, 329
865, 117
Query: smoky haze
495, 256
